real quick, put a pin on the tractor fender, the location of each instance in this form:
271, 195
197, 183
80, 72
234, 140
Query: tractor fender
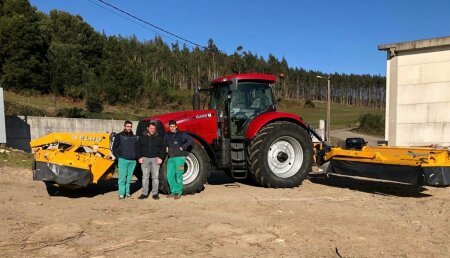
270, 117
204, 143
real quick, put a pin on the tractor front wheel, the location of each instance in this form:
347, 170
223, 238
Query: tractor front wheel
196, 171
281, 155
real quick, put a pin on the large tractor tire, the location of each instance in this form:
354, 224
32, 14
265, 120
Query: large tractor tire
280, 155
196, 171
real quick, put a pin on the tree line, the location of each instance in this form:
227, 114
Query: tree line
59, 53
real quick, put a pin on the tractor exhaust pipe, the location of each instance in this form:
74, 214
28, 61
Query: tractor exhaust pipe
196, 99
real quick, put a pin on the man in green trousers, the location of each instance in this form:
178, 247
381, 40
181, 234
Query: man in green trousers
124, 148
177, 144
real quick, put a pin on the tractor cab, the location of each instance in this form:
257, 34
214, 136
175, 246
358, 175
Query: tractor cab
240, 99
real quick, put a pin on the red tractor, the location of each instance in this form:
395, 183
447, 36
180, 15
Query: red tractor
241, 133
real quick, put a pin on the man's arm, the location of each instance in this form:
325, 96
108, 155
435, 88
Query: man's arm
139, 149
139, 145
116, 144
162, 149
187, 139
166, 143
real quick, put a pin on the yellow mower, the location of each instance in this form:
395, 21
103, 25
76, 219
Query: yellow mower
73, 159
411, 165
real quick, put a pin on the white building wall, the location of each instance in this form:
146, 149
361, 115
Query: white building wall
423, 98
388, 88
2, 118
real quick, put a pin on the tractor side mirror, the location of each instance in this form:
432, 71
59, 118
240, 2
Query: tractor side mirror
234, 85
196, 99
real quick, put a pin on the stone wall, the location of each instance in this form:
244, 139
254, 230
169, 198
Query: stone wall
21, 129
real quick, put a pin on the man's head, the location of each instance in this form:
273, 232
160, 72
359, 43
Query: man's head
260, 101
173, 126
127, 126
151, 128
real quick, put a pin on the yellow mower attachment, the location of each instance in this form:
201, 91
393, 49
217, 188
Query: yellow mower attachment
72, 158
413, 165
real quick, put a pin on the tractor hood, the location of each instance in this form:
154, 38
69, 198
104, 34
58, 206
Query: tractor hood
201, 123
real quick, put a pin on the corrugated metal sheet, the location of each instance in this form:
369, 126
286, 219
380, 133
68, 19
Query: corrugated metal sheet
2, 118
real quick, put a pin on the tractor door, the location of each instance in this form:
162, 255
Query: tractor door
219, 100
248, 100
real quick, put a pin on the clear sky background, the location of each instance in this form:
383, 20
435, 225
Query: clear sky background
323, 35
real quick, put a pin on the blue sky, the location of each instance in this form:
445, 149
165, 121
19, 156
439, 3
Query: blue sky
323, 35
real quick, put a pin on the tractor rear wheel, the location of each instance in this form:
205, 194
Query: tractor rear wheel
196, 171
281, 155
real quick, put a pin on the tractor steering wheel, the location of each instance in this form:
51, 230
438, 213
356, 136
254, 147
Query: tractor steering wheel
240, 115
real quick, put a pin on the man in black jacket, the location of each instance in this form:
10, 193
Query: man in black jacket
151, 152
124, 149
177, 144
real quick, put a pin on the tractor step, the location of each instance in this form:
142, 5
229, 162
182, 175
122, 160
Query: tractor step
238, 160
236, 147
239, 174
237, 151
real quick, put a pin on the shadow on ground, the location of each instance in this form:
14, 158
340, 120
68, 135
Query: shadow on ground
219, 177
92, 190
369, 185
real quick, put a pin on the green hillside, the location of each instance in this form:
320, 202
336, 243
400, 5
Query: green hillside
341, 115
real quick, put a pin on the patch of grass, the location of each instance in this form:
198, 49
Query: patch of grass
10, 157
309, 104
12, 108
342, 116
50, 105
71, 112
371, 124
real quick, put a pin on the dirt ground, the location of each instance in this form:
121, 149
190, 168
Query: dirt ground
325, 217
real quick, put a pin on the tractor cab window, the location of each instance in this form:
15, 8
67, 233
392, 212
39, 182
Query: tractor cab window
250, 97
247, 102
261, 99
218, 98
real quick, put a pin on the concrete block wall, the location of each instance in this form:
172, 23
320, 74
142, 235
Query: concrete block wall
418, 92
21, 129
423, 102
2, 118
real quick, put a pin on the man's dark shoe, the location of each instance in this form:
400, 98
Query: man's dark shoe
143, 196
177, 196
155, 197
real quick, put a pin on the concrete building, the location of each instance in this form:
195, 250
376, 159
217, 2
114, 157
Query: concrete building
2, 118
418, 92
